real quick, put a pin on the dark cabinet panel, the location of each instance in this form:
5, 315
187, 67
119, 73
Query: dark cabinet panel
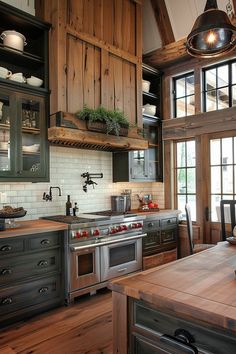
24, 108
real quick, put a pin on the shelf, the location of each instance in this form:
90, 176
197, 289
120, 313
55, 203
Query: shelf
151, 145
30, 130
21, 57
150, 95
16, 84
4, 126
150, 116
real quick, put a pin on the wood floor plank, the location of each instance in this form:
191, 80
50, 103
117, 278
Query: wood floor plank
84, 327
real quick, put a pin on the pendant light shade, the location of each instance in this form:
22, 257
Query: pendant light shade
212, 34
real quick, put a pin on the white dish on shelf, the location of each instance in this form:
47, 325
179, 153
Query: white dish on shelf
146, 85
149, 109
31, 148
34, 81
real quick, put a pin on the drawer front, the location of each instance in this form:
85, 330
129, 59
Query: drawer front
21, 267
45, 240
28, 294
8, 246
168, 222
154, 323
168, 236
151, 225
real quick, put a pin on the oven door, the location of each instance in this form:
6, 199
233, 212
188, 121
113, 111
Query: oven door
84, 267
121, 258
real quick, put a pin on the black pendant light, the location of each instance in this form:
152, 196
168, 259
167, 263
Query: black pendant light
212, 34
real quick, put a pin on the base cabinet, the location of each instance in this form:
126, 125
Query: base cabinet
159, 259
154, 332
30, 275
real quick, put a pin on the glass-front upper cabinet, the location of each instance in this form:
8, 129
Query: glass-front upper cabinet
23, 143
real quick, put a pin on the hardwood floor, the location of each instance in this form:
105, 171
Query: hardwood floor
84, 327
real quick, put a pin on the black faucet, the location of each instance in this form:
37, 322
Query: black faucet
89, 181
48, 197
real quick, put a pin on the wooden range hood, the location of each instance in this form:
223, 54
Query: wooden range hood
68, 131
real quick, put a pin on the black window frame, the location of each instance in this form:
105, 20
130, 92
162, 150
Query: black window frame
175, 79
230, 84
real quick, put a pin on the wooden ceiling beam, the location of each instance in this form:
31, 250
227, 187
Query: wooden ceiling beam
163, 21
171, 53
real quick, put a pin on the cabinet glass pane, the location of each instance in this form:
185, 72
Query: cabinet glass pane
139, 163
5, 143
30, 115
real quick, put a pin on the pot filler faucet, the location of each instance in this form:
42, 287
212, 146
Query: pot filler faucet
89, 180
48, 197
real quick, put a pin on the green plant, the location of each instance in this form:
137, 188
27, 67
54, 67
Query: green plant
114, 120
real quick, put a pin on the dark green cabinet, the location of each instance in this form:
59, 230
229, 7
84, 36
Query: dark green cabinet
24, 109
144, 165
31, 275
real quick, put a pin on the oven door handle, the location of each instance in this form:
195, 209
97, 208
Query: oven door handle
78, 248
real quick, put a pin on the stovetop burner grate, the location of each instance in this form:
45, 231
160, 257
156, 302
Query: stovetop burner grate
112, 213
69, 219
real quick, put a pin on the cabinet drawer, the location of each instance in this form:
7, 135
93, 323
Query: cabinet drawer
44, 240
21, 267
151, 225
19, 297
150, 323
158, 259
168, 222
9, 245
168, 236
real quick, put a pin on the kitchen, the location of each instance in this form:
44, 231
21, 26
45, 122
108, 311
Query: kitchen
69, 92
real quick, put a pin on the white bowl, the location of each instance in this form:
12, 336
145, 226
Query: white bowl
150, 109
34, 81
3, 145
30, 148
146, 85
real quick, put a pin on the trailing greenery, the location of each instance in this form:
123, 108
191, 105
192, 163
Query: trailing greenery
114, 120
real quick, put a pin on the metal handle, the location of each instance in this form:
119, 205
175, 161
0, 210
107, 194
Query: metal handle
43, 290
7, 301
78, 248
19, 172
6, 271
207, 213
6, 248
122, 270
182, 340
42, 263
150, 224
45, 242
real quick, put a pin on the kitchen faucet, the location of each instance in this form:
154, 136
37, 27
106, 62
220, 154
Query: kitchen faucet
89, 180
48, 197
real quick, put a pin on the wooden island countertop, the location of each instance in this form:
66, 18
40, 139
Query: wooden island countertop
199, 288
33, 227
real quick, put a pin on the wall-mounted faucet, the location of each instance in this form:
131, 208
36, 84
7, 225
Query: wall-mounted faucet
48, 197
89, 180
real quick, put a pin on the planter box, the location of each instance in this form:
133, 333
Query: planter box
101, 128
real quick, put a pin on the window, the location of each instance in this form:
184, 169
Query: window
219, 86
185, 175
184, 95
222, 171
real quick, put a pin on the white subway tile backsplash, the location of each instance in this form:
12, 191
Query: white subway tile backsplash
66, 167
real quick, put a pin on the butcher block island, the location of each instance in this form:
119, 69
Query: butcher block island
188, 306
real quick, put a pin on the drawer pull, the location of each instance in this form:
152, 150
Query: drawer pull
122, 270
6, 248
42, 263
45, 242
7, 301
6, 271
182, 340
150, 224
43, 290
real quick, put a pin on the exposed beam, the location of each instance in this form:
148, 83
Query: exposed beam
163, 21
165, 56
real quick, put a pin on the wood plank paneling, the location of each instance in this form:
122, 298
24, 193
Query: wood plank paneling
127, 88
98, 18
88, 72
97, 77
75, 14
118, 27
88, 17
118, 83
108, 21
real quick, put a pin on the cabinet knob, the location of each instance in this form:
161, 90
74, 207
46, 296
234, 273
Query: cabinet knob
6, 271
19, 172
43, 290
6, 248
42, 263
7, 301
150, 224
45, 242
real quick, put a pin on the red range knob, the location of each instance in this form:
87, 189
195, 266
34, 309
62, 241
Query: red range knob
113, 231
119, 228
84, 233
78, 234
124, 227
134, 226
140, 224
96, 232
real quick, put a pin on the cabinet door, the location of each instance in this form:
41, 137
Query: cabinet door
7, 134
32, 158
138, 163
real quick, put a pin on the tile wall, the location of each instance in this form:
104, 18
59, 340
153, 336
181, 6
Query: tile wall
66, 167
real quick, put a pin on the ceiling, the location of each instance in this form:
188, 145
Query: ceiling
181, 13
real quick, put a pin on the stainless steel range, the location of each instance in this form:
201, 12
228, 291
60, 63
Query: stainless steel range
99, 248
